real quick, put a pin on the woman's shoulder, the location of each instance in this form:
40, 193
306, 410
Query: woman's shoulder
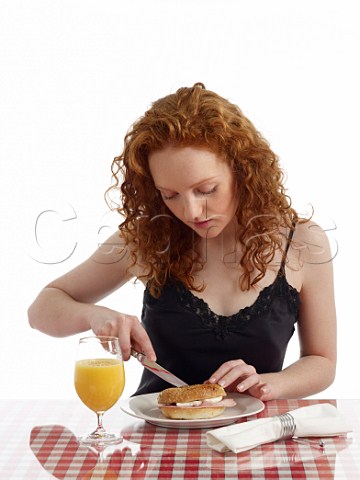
310, 243
129, 250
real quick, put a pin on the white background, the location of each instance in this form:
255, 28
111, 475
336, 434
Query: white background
76, 74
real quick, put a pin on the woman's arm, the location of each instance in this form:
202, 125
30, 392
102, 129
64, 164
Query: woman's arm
315, 369
67, 305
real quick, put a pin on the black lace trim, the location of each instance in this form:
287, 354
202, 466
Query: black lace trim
221, 324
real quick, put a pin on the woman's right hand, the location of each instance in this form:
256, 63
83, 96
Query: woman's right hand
131, 334
69, 304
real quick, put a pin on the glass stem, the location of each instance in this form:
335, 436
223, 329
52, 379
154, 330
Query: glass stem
100, 429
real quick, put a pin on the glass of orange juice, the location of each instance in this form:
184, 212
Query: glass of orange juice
99, 382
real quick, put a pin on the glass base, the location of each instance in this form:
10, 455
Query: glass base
101, 438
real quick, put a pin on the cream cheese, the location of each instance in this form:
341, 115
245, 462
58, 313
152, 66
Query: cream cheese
197, 403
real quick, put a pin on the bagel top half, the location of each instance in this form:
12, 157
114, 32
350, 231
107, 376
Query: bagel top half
190, 393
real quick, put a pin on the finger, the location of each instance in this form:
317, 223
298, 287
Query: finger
125, 325
224, 369
248, 382
266, 395
141, 342
262, 391
133, 335
245, 376
108, 329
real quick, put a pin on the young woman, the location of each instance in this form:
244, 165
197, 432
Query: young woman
229, 267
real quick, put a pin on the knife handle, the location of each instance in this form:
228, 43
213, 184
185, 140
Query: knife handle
139, 356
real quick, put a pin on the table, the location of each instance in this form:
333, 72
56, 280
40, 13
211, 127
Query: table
38, 441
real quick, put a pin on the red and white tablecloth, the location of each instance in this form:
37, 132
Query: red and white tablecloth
38, 440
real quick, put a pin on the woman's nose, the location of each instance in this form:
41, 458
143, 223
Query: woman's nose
194, 209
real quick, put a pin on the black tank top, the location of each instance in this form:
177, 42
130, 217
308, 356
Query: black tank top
192, 341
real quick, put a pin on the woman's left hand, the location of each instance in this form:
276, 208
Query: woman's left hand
238, 376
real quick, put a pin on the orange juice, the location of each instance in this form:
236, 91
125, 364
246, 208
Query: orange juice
99, 382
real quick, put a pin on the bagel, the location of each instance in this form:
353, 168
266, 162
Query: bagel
193, 401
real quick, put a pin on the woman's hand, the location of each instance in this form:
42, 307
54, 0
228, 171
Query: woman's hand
238, 376
127, 328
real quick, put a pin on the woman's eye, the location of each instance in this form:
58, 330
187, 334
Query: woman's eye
171, 196
168, 197
207, 192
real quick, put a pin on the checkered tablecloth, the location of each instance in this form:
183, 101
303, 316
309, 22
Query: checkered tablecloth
35, 450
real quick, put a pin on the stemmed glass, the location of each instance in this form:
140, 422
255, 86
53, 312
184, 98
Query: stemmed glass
99, 382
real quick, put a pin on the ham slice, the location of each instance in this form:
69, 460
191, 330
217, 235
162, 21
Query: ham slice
225, 402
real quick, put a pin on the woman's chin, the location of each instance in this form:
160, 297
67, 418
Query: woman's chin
211, 232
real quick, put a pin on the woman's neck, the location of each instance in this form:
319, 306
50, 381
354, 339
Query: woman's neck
224, 247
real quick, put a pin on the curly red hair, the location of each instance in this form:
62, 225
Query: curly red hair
162, 243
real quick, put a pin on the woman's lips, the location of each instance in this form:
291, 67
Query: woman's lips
204, 224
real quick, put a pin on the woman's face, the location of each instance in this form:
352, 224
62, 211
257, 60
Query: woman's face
197, 186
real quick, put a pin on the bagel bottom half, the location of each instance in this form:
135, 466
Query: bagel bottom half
190, 413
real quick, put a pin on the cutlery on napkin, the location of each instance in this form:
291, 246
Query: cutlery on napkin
311, 421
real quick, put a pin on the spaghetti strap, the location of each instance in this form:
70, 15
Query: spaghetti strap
283, 260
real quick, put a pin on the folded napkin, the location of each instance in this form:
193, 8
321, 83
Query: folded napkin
315, 420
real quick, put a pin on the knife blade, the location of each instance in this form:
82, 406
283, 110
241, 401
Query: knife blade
158, 370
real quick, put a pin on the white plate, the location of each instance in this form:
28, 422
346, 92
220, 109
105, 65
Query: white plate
145, 407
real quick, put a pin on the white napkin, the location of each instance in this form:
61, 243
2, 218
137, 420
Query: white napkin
314, 420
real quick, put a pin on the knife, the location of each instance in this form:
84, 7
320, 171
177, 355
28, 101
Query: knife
158, 370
